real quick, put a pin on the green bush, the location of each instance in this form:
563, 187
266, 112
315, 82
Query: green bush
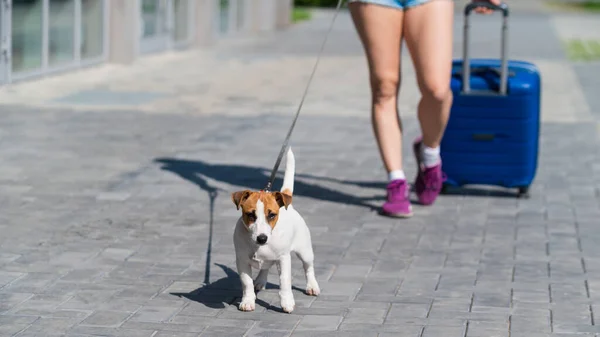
315, 3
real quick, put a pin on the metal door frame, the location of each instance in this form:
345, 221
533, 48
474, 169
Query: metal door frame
5, 40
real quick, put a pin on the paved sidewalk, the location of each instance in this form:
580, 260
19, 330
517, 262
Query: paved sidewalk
108, 227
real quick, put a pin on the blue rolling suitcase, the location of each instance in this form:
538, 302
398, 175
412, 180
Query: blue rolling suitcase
493, 132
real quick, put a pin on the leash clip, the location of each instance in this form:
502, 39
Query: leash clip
268, 187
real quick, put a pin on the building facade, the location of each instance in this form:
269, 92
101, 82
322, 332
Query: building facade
41, 37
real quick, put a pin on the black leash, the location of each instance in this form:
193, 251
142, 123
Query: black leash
289, 134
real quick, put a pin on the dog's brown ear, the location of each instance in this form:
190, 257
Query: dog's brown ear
283, 199
239, 197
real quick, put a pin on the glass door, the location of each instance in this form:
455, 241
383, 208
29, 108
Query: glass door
166, 24
92, 29
224, 16
27, 36
229, 17
182, 22
61, 32
155, 25
4, 41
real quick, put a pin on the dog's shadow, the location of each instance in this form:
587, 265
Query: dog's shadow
227, 291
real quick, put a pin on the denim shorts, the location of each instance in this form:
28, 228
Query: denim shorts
397, 4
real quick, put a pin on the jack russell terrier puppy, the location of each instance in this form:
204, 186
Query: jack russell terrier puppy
266, 234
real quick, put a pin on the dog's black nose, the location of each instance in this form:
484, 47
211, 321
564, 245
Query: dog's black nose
261, 239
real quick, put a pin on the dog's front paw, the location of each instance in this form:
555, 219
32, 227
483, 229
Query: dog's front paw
288, 304
247, 305
312, 289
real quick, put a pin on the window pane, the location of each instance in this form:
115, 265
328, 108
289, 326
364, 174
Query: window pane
92, 28
61, 32
26, 35
224, 15
150, 17
181, 10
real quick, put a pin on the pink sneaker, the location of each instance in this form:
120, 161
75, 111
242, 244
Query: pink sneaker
429, 181
398, 204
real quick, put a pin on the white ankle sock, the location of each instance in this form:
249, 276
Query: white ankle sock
397, 175
430, 156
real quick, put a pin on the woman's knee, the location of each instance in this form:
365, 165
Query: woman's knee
385, 88
436, 92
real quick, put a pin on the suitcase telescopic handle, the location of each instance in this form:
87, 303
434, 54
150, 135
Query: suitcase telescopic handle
504, 45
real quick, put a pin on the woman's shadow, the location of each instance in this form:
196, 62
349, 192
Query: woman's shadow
255, 178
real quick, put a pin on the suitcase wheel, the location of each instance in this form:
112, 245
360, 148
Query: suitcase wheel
523, 192
444, 189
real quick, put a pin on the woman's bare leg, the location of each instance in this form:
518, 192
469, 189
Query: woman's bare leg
428, 30
380, 31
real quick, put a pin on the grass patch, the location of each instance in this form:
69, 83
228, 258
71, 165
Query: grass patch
583, 50
579, 6
300, 14
590, 6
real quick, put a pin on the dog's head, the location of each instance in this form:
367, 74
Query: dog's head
260, 211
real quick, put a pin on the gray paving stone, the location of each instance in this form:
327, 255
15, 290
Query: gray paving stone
106, 318
532, 324
410, 333
9, 300
326, 333
491, 329
319, 323
31, 283
154, 314
523, 334
172, 327
431, 331
8, 277
175, 334
261, 332
407, 310
103, 331
50, 326
10, 329
219, 331
365, 315
575, 328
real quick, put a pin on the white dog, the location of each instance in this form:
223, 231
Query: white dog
266, 234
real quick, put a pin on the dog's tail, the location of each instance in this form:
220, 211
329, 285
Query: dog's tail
290, 170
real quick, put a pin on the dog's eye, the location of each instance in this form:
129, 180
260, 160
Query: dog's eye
272, 216
251, 216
